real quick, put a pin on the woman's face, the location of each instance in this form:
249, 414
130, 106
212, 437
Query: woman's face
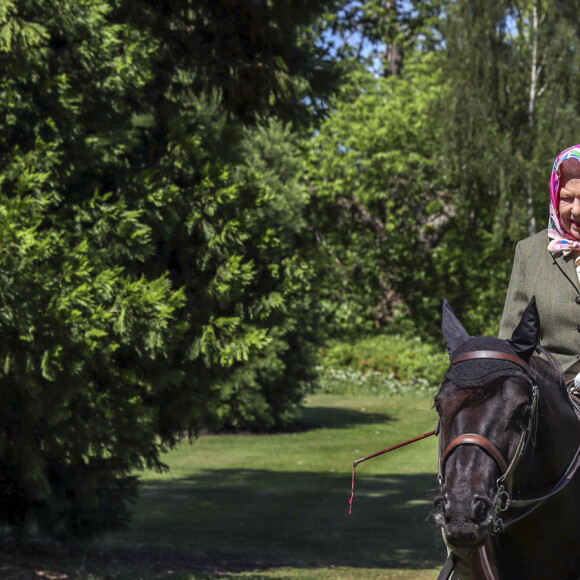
570, 201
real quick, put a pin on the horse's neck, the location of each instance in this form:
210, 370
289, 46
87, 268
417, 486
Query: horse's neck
542, 544
556, 436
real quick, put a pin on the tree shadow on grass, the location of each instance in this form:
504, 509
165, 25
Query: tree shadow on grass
310, 418
258, 519
335, 418
231, 520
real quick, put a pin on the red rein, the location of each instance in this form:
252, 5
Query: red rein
425, 435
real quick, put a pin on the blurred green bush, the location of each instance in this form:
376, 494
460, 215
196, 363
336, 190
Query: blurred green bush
382, 365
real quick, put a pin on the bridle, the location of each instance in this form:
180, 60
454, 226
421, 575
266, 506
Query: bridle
503, 499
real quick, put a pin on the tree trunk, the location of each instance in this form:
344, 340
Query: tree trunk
531, 116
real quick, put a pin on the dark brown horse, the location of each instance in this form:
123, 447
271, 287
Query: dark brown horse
509, 504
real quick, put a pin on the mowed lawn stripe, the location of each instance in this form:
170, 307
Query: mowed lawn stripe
280, 500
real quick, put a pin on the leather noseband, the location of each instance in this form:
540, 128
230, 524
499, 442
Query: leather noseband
479, 441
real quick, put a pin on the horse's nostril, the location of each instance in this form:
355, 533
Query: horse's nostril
480, 509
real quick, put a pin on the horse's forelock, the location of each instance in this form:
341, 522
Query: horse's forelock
459, 398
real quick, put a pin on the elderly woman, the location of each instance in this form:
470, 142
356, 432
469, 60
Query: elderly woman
547, 265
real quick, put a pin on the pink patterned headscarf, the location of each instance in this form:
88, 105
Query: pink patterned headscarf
561, 240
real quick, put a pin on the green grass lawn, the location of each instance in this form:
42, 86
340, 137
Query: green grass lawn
276, 506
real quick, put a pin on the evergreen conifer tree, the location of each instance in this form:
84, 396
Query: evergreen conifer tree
152, 282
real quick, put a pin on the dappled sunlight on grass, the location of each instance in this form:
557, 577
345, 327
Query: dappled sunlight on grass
276, 506
282, 500
295, 519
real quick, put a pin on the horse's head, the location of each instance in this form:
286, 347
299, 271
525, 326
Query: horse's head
485, 405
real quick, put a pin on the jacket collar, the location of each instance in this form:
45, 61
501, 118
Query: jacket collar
567, 266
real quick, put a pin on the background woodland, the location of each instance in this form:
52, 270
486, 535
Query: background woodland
197, 195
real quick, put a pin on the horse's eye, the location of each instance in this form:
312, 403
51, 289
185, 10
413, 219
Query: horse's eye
521, 415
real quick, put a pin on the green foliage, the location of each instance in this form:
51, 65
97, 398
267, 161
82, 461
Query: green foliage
382, 365
398, 356
172, 247
153, 282
75, 418
380, 34
424, 182
257, 56
379, 193
356, 383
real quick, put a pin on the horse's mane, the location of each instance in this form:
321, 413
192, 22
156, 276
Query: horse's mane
548, 370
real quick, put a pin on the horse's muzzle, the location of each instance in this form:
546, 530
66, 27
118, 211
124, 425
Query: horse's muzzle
466, 523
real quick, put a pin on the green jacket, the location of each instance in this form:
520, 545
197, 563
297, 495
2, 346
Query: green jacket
553, 280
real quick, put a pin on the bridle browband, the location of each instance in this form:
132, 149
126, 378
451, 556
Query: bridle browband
493, 354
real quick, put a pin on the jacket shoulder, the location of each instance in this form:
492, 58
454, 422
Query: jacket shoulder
535, 242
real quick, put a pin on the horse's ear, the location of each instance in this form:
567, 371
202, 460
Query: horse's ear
453, 332
527, 332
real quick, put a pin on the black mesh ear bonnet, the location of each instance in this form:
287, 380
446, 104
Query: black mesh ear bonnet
478, 372
482, 371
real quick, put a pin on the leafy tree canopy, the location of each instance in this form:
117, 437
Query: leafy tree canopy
153, 282
188, 200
